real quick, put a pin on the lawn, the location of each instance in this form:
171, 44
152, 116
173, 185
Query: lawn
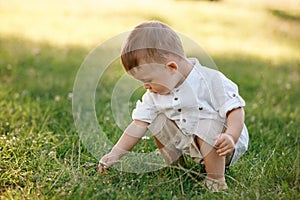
42, 46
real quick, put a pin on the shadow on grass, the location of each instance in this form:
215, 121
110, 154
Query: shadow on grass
41, 69
46, 70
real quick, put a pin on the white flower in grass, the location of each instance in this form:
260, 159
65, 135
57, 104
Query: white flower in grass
57, 98
52, 154
70, 96
44, 152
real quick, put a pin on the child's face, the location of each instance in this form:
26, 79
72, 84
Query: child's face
157, 78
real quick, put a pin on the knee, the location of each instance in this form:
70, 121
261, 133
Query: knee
158, 143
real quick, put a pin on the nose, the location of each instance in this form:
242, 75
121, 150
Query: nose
147, 86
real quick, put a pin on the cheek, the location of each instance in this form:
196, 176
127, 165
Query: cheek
165, 83
162, 80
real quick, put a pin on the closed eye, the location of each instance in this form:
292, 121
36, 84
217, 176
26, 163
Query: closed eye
146, 80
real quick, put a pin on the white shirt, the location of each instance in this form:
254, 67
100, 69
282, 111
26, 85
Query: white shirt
205, 94
198, 106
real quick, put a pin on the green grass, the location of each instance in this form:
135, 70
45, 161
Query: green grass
41, 156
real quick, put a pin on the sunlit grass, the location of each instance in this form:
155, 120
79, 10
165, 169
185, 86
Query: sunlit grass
42, 44
219, 27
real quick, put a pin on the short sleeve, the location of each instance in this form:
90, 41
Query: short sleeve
145, 110
225, 95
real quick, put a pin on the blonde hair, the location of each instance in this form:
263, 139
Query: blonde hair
150, 41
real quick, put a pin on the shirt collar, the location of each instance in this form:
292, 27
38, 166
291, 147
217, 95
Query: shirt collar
189, 80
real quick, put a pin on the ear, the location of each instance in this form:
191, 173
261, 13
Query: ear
172, 65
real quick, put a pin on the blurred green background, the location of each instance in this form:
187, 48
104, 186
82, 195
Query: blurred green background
42, 45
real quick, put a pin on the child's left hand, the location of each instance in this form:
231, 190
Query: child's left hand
225, 144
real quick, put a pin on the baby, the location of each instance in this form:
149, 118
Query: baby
189, 109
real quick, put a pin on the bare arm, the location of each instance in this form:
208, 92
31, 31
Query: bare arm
127, 141
235, 122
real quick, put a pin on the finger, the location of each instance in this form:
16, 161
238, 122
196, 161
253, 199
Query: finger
102, 165
225, 152
221, 151
219, 141
100, 169
223, 147
224, 144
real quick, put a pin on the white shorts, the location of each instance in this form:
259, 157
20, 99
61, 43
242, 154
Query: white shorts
168, 133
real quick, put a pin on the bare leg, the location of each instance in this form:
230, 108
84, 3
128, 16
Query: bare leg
168, 154
214, 165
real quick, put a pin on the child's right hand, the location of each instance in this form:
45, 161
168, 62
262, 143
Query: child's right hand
107, 161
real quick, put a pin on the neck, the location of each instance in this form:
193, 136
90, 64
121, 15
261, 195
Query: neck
184, 69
